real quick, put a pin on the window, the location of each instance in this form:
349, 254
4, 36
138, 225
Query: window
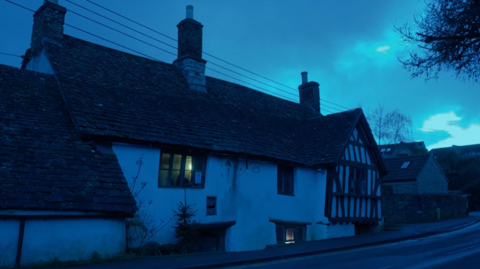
288, 234
181, 170
382, 150
285, 179
405, 165
211, 205
389, 149
358, 182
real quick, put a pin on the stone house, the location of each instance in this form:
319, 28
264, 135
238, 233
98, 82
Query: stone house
403, 149
260, 170
418, 174
449, 157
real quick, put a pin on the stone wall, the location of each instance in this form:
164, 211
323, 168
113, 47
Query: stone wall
402, 208
403, 187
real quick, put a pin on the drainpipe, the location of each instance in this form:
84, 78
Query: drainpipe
18, 257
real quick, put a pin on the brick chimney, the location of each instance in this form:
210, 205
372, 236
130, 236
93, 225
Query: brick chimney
309, 93
47, 24
189, 58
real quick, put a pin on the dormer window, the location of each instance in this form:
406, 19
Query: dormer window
382, 150
389, 149
180, 170
405, 165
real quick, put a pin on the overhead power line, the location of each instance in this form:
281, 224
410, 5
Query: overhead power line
206, 53
9, 54
148, 56
210, 62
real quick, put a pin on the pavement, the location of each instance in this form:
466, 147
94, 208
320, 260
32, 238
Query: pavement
223, 259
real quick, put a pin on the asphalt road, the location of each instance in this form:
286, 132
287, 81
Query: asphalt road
459, 249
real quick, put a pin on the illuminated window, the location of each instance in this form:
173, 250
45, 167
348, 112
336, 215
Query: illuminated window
289, 234
285, 179
181, 170
389, 149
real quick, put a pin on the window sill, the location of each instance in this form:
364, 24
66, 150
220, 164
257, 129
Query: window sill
186, 187
286, 194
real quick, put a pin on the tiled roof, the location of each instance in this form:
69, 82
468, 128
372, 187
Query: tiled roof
396, 173
43, 163
149, 101
416, 148
456, 150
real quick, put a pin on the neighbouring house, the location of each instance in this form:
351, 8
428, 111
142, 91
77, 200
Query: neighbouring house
260, 170
403, 149
60, 197
420, 174
450, 157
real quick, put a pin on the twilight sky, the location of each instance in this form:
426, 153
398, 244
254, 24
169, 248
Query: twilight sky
349, 47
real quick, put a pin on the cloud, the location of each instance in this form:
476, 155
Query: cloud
451, 123
383, 49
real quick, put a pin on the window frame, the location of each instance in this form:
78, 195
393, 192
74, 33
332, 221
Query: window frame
183, 154
358, 186
283, 228
281, 169
214, 206
405, 165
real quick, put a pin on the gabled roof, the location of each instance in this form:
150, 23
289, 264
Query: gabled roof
410, 173
44, 164
141, 100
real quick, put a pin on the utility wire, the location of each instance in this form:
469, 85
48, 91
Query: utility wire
90, 33
112, 20
9, 54
148, 56
246, 70
290, 99
132, 20
118, 31
210, 62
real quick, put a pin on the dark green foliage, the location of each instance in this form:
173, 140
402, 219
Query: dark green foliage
186, 229
464, 176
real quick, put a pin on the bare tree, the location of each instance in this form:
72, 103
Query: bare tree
390, 128
399, 127
143, 226
447, 37
377, 119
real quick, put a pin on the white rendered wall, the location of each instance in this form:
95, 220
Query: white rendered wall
8, 241
245, 193
218, 182
61, 238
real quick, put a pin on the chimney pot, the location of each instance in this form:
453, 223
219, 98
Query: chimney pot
304, 77
309, 93
189, 58
189, 12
